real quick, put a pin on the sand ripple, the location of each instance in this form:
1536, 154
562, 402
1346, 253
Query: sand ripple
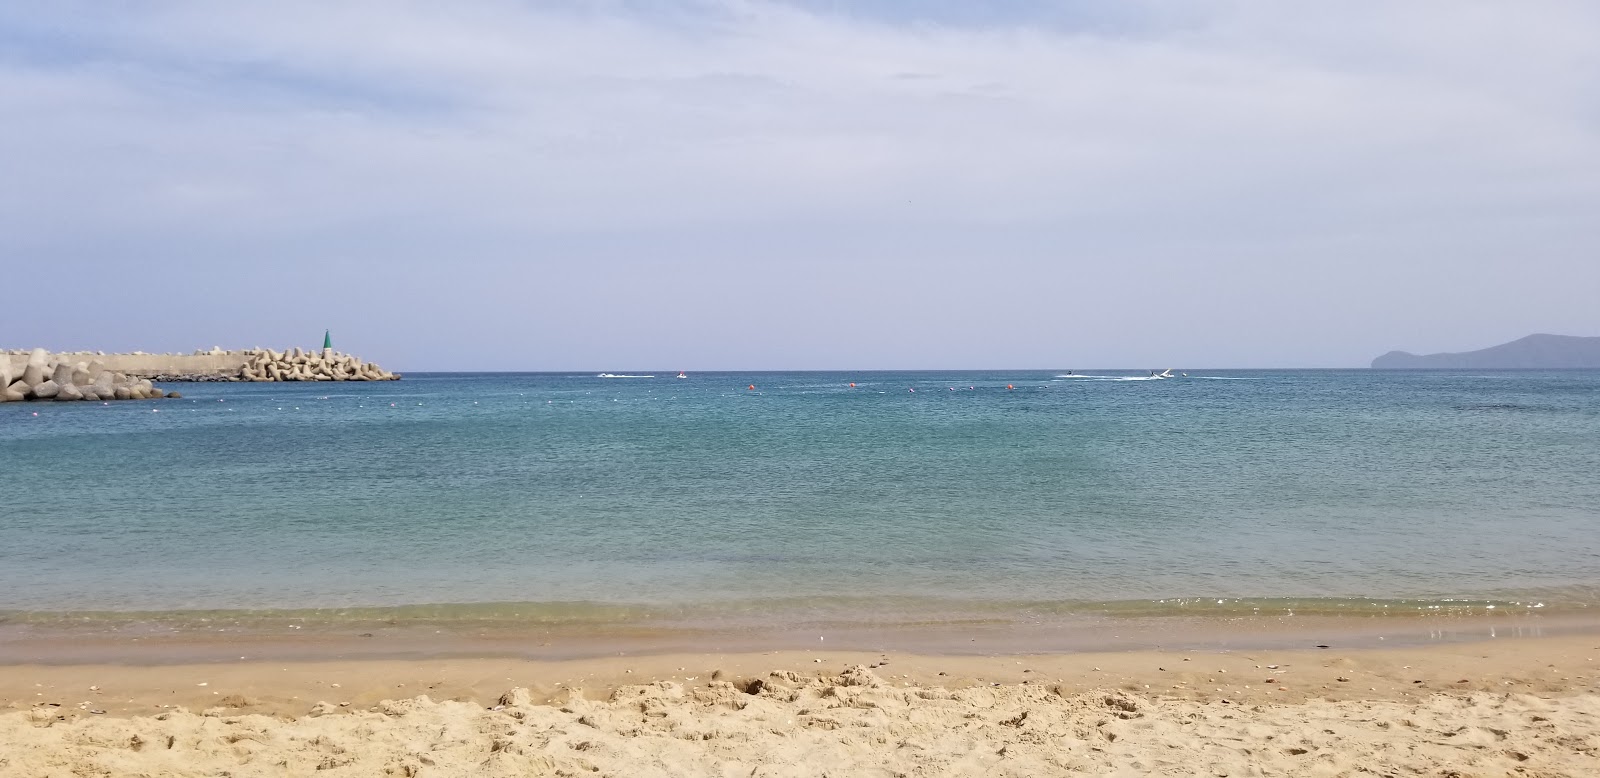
852, 724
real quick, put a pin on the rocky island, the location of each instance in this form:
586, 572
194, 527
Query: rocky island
1534, 352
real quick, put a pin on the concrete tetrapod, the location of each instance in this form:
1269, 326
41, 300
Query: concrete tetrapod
47, 377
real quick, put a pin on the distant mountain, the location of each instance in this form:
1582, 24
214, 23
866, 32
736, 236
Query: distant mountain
1532, 352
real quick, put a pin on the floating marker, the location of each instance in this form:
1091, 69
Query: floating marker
852, 384
752, 387
1009, 386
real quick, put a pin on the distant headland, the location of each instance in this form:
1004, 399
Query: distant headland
1532, 352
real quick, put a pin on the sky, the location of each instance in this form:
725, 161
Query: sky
742, 185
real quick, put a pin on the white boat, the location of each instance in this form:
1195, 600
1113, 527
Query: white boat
681, 375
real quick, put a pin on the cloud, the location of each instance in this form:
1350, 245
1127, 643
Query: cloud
1236, 150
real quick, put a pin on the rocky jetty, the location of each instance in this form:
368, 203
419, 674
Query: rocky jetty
257, 364
297, 365
47, 377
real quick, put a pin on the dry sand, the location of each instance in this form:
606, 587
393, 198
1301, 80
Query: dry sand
1528, 707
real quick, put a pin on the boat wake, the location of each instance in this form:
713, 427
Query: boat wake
614, 375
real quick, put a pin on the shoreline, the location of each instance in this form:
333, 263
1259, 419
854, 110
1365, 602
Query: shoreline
140, 642
1545, 665
1489, 706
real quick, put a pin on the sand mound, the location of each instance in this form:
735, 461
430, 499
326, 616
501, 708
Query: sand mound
855, 723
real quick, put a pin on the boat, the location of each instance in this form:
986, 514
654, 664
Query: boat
681, 375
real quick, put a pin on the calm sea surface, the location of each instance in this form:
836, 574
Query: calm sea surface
574, 497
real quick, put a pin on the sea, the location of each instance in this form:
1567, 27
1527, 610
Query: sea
758, 501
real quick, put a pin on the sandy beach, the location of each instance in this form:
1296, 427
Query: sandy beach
1504, 707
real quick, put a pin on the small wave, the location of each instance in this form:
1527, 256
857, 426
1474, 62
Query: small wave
1154, 377
1516, 408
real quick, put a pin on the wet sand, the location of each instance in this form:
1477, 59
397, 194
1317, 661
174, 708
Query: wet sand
1487, 708
178, 638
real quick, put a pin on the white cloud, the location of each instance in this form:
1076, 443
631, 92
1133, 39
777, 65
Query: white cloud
1232, 134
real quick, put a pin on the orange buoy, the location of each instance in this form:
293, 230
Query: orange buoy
1009, 386
752, 387
852, 384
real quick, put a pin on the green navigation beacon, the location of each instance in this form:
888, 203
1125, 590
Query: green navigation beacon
327, 340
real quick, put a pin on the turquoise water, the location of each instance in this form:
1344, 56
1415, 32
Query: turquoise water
571, 497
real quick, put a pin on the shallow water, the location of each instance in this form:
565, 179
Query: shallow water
699, 501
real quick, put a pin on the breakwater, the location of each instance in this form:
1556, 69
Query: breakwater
297, 365
43, 376
256, 364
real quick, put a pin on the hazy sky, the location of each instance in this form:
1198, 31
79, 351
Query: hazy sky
829, 184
